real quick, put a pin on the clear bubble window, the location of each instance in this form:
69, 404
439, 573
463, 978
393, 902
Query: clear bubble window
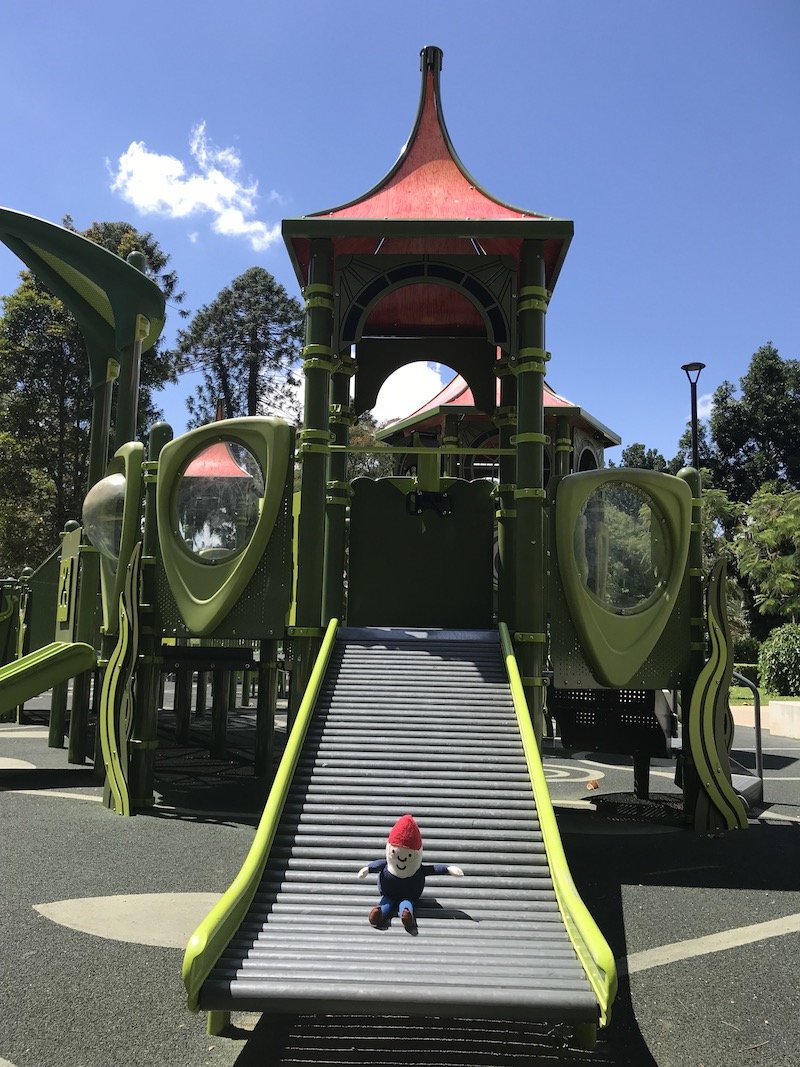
218, 500
622, 547
102, 515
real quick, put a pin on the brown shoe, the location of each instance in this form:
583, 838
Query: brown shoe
408, 920
376, 918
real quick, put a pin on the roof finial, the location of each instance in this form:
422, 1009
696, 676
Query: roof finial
430, 58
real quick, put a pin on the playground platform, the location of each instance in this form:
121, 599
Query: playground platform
96, 911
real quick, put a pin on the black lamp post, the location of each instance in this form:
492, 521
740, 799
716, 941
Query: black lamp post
692, 372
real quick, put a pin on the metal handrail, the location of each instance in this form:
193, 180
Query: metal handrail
742, 680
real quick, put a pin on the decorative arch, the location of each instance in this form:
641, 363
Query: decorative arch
487, 282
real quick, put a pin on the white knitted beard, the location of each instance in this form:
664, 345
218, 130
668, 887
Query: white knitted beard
403, 862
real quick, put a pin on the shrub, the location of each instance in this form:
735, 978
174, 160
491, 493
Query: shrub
779, 661
747, 670
746, 649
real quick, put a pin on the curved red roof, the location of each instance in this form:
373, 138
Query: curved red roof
428, 181
216, 461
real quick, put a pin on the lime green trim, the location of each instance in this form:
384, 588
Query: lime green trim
127, 460
534, 290
506, 513
695, 572
318, 288
319, 364
320, 302
541, 355
532, 303
211, 937
702, 742
590, 946
530, 494
530, 439
317, 350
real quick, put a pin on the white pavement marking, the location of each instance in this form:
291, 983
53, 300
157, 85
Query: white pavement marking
5, 1063
9, 764
53, 793
557, 773
32, 733
704, 946
164, 920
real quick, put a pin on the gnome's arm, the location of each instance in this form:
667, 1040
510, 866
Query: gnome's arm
442, 868
372, 868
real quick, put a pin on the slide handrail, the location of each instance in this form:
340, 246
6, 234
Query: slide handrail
212, 936
590, 946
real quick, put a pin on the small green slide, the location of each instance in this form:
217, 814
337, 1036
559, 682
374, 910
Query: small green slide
41, 670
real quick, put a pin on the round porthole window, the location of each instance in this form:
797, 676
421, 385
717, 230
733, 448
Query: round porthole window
622, 547
218, 501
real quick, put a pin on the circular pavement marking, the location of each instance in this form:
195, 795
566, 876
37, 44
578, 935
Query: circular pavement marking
9, 764
164, 920
31, 732
556, 773
5, 1063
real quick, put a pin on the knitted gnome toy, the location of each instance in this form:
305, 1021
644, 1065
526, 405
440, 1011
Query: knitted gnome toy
401, 876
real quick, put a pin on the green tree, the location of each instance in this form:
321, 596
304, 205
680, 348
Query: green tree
247, 343
45, 399
365, 464
755, 435
767, 548
642, 458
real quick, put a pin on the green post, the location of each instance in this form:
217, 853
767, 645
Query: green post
101, 423
336, 500
318, 363
220, 704
266, 706
450, 439
505, 419
85, 630
182, 703
144, 735
201, 697
530, 495
689, 782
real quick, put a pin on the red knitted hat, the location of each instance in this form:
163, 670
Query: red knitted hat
405, 833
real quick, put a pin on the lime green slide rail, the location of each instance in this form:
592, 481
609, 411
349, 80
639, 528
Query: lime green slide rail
42, 669
590, 946
211, 937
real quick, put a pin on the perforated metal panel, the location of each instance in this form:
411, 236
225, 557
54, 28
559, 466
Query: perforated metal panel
609, 720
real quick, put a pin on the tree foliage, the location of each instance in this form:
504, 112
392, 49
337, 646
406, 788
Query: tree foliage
365, 464
247, 343
756, 435
767, 548
46, 402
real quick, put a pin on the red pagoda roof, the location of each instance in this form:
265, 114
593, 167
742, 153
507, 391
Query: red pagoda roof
216, 461
428, 204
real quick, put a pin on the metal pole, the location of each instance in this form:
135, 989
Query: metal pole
692, 372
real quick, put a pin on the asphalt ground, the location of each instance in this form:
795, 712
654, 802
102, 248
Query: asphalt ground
706, 929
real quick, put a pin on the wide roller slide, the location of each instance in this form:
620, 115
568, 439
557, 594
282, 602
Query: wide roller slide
420, 722
41, 670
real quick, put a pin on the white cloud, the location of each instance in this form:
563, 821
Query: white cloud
408, 389
212, 185
704, 405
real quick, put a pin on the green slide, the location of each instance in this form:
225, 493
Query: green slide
41, 670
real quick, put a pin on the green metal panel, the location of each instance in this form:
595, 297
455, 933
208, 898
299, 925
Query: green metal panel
247, 593
593, 642
420, 570
40, 616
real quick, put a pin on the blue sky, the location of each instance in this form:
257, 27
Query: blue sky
669, 133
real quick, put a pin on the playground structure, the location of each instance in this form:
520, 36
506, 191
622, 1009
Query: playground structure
434, 620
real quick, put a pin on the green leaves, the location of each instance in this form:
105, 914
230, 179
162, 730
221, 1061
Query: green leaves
247, 344
767, 548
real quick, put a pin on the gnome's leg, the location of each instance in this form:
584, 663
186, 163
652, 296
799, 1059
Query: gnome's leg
386, 906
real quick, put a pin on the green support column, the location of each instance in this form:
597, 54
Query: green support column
688, 773
506, 420
530, 495
202, 694
450, 438
563, 450
220, 706
318, 363
338, 494
85, 630
266, 706
144, 735
182, 702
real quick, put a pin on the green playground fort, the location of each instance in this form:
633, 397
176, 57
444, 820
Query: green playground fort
434, 624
